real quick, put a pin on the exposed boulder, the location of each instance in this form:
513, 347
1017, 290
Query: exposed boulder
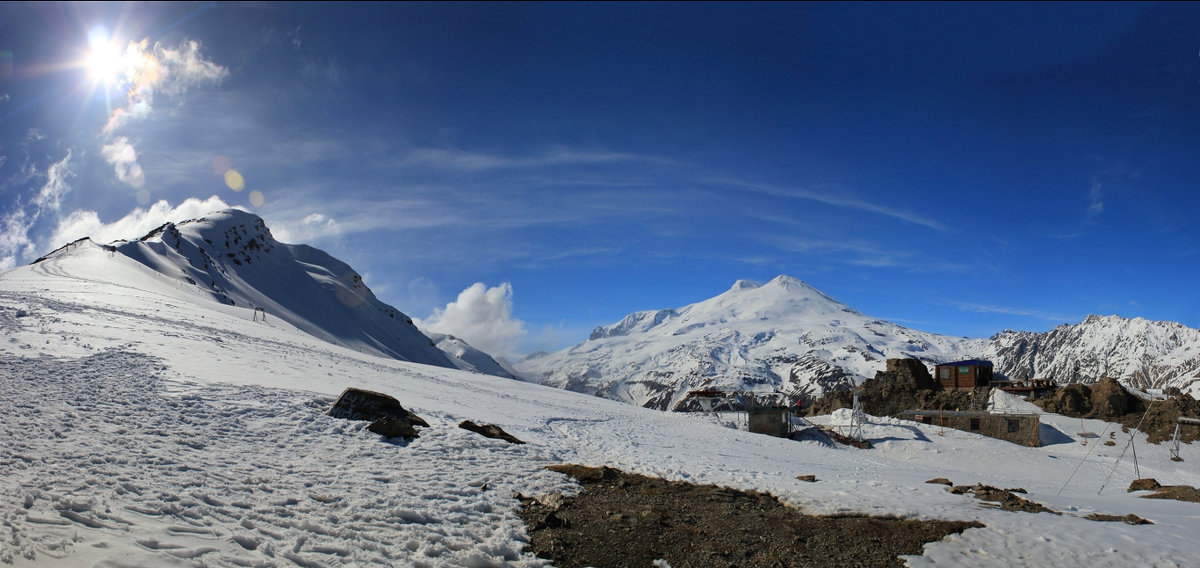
359, 404
390, 427
489, 431
388, 418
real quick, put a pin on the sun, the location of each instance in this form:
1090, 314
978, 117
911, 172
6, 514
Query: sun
104, 61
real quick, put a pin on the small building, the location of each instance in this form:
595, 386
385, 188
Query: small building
772, 421
1020, 429
1027, 388
964, 374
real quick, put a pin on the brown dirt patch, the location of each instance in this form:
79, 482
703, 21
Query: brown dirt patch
1176, 492
1130, 519
622, 519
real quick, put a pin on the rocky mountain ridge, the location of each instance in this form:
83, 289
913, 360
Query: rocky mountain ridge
231, 257
786, 337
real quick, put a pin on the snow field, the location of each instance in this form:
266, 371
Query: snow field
108, 461
143, 425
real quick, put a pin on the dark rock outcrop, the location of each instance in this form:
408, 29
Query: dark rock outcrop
905, 385
390, 427
1108, 400
489, 431
908, 373
388, 418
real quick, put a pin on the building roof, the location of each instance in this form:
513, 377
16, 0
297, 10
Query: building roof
971, 413
967, 363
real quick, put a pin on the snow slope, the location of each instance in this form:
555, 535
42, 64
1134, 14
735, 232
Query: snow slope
143, 428
231, 257
781, 336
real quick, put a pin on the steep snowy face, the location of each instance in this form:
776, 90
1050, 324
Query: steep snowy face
466, 357
783, 336
1139, 352
231, 257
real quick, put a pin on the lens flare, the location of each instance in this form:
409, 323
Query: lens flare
257, 198
234, 180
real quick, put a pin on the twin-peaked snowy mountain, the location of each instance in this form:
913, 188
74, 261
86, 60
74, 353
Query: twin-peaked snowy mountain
787, 337
781, 336
231, 257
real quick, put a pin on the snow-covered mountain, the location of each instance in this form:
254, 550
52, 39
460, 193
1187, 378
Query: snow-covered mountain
1139, 352
466, 357
785, 336
145, 425
781, 336
231, 257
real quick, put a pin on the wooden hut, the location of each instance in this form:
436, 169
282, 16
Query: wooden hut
964, 374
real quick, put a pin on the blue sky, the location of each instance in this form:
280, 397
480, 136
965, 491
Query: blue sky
960, 168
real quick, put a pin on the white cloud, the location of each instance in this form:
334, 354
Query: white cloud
56, 186
483, 317
16, 246
82, 223
14, 238
123, 157
147, 71
311, 228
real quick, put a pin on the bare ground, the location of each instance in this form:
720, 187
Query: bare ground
622, 519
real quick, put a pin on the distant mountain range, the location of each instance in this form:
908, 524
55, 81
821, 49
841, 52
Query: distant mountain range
231, 257
785, 336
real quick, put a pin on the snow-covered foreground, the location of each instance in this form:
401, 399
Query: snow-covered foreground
144, 426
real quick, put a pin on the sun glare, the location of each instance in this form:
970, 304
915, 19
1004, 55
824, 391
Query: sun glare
104, 61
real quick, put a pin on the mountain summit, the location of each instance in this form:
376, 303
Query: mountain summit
784, 336
231, 257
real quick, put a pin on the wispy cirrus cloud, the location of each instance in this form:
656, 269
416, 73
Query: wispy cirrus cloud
836, 200
16, 245
1007, 310
459, 160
